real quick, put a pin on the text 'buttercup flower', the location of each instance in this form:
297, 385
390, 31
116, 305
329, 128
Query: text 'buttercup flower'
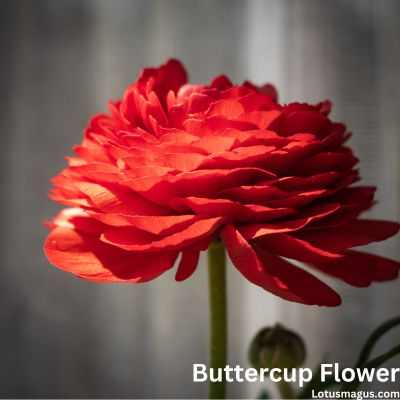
173, 166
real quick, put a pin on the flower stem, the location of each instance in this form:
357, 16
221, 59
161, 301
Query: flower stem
218, 315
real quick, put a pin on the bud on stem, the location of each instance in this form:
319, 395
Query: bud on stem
277, 347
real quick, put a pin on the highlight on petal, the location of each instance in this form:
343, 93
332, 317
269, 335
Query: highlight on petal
131, 240
313, 214
291, 247
157, 225
88, 258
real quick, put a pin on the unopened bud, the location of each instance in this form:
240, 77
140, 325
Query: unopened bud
277, 347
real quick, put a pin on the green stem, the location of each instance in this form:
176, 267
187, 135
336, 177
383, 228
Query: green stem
285, 390
218, 315
374, 363
375, 336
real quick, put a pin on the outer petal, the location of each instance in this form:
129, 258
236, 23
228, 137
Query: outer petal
114, 199
187, 264
291, 247
361, 269
253, 231
354, 233
328, 161
85, 256
301, 120
276, 275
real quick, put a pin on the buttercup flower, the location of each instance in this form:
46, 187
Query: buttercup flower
174, 166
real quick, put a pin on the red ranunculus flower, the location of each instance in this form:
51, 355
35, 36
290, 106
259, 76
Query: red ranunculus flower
173, 166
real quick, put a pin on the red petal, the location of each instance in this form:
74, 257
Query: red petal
221, 82
269, 90
111, 198
229, 109
276, 275
222, 207
256, 137
89, 150
215, 143
88, 258
325, 162
187, 265
301, 121
313, 214
98, 171
262, 119
308, 288
132, 240
214, 124
318, 181
354, 233
77, 219
170, 76
157, 225
384, 268
253, 194
361, 269
291, 247
183, 161
195, 183
240, 157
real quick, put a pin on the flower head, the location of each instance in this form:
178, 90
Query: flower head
173, 166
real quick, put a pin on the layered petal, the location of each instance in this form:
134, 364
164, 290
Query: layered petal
361, 269
275, 274
354, 233
89, 258
131, 239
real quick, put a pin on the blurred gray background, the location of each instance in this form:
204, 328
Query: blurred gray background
61, 61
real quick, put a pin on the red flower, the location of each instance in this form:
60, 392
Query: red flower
173, 166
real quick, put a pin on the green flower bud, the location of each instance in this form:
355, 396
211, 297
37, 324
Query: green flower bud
277, 347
